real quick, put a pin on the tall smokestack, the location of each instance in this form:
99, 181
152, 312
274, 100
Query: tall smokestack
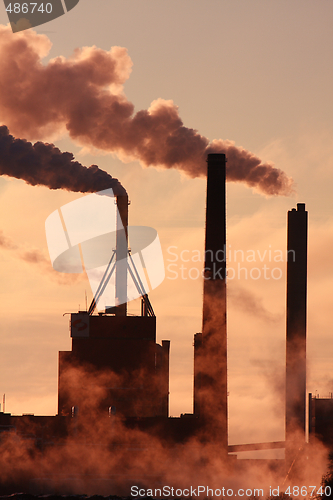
210, 379
121, 255
296, 330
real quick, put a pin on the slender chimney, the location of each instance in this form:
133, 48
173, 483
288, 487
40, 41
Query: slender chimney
121, 255
210, 372
296, 329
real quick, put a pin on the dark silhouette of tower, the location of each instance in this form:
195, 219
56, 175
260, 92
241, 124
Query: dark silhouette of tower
296, 329
210, 347
121, 255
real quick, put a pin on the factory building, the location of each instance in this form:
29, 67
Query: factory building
118, 355
123, 349
118, 351
125, 346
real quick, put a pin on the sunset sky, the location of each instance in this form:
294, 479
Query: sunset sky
255, 72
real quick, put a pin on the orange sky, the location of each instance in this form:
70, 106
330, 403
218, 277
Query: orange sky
257, 73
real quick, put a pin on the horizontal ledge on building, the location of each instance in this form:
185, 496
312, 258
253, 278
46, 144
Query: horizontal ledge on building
256, 446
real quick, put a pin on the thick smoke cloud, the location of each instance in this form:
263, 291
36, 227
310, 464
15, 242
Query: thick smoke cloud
83, 94
44, 164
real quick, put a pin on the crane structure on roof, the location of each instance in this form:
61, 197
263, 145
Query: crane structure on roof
146, 307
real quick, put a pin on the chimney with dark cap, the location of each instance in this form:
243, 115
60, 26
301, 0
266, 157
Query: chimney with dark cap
296, 329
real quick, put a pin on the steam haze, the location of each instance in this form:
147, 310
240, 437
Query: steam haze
100, 455
44, 164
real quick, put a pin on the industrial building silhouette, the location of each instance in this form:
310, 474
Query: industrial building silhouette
125, 345
135, 368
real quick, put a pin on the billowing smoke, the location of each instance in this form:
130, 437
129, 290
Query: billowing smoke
44, 164
83, 94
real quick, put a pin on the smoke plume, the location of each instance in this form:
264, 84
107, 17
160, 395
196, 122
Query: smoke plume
83, 94
44, 164
246, 300
38, 259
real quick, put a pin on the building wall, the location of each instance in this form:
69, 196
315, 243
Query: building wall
114, 363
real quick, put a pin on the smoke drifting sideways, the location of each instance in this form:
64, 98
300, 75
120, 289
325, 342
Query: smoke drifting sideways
246, 300
44, 164
84, 95
37, 258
